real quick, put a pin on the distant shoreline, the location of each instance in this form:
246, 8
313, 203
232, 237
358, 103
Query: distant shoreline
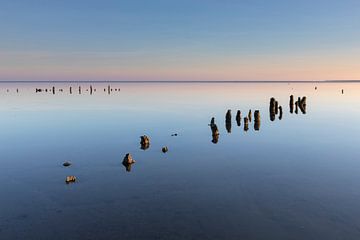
122, 81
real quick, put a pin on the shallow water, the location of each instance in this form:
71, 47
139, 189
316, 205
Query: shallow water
295, 178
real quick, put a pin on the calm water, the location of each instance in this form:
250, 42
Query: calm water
295, 178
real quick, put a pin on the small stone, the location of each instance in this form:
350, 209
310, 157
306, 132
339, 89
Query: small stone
128, 159
144, 140
70, 179
66, 164
164, 149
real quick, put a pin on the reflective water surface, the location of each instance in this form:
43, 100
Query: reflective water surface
244, 161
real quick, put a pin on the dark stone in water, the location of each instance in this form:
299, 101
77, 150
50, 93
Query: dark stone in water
272, 109
164, 149
66, 164
70, 179
128, 161
144, 142
280, 112
228, 121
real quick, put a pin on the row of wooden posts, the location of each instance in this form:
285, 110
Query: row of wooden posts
79, 89
274, 109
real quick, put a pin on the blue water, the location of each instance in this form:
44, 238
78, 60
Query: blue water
295, 178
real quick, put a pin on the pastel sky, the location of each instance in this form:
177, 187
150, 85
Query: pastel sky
179, 40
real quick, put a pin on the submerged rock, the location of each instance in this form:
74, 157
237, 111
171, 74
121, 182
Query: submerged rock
128, 161
272, 109
144, 142
214, 131
66, 164
164, 149
70, 179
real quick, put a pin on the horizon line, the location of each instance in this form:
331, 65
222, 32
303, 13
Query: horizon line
179, 81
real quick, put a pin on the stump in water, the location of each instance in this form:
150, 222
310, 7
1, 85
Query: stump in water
272, 109
144, 142
238, 118
128, 161
280, 112
291, 104
250, 115
246, 124
228, 121
257, 120
228, 115
212, 121
70, 179
214, 131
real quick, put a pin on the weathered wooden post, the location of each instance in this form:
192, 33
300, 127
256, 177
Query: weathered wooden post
214, 131
228, 121
272, 109
144, 142
238, 118
302, 105
280, 112
246, 124
291, 103
128, 161
257, 120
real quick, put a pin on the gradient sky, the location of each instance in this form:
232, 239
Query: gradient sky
179, 40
